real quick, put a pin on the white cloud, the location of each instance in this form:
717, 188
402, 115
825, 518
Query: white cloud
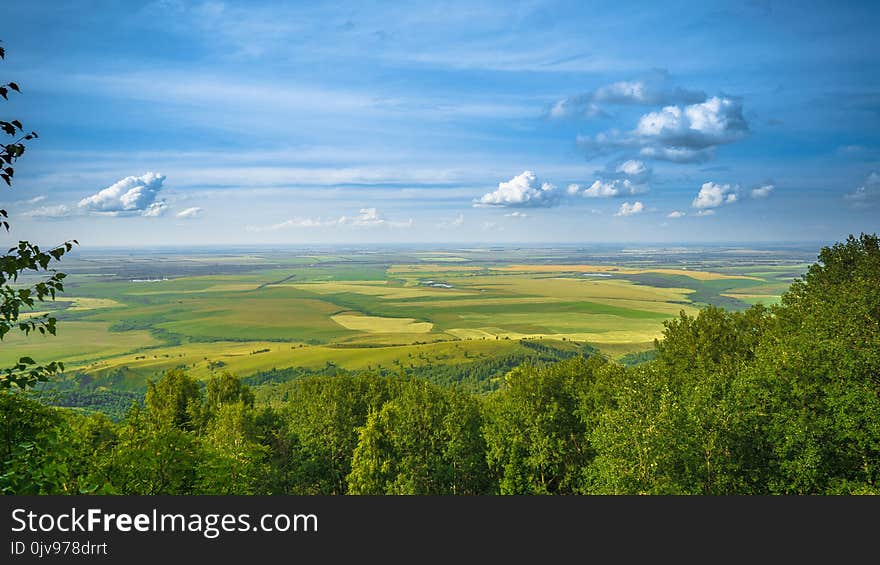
654, 88
706, 213
34, 200
624, 179
713, 122
633, 168
366, 218
683, 134
713, 195
59, 211
523, 190
627, 209
763, 191
193, 212
617, 187
868, 194
154, 210
517, 214
676, 214
130, 195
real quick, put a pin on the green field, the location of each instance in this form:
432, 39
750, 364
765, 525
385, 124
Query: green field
137, 315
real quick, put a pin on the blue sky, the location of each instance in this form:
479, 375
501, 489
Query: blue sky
194, 123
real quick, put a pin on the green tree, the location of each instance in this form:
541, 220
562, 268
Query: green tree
819, 375
227, 389
32, 453
324, 414
685, 423
537, 440
22, 259
152, 457
713, 340
175, 400
425, 441
285, 462
232, 460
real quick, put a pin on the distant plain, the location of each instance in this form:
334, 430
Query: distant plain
140, 312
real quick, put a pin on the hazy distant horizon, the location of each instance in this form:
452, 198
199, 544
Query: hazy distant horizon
464, 245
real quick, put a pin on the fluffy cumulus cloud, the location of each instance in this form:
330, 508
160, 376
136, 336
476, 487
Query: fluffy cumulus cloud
691, 130
624, 179
713, 195
522, 191
715, 121
653, 89
607, 189
867, 195
762, 191
366, 218
627, 209
517, 214
676, 214
682, 134
193, 212
129, 196
155, 209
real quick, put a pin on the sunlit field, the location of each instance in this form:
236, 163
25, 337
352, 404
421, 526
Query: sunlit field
140, 315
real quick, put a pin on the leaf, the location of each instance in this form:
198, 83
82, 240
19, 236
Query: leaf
14, 87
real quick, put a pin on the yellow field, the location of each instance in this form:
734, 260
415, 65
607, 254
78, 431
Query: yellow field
74, 342
599, 339
374, 288
697, 275
610, 292
376, 324
618, 350
81, 303
204, 359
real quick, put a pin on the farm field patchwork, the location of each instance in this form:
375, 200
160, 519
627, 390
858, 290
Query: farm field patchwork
141, 313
